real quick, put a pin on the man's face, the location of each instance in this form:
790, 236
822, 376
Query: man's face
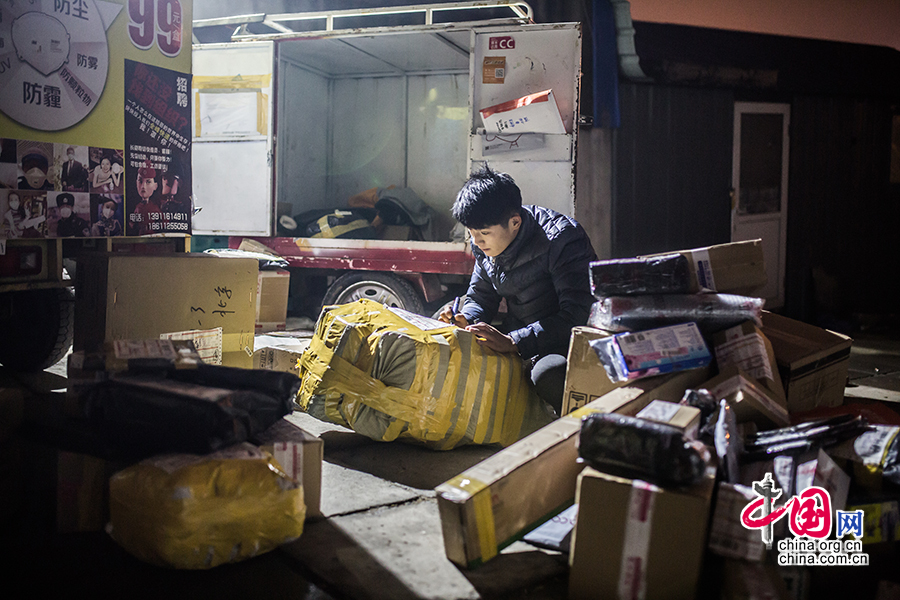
495, 239
71, 155
146, 186
170, 186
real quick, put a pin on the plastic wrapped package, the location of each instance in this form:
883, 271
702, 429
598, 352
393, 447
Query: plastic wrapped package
393, 375
711, 312
668, 274
196, 512
196, 410
810, 435
627, 356
640, 449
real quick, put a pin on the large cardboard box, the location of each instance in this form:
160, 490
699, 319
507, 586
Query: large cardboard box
633, 539
126, 296
586, 379
812, 361
272, 300
734, 268
497, 501
300, 454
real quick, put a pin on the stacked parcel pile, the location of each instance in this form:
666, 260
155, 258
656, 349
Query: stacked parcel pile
187, 464
684, 399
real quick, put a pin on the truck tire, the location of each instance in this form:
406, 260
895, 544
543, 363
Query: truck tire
386, 288
37, 327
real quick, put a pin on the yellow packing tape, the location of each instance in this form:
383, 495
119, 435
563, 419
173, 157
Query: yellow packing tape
484, 513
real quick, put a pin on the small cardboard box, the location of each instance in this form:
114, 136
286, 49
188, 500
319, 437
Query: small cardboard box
746, 347
129, 296
586, 379
489, 506
634, 355
812, 361
272, 300
277, 353
300, 454
733, 268
686, 418
633, 539
749, 399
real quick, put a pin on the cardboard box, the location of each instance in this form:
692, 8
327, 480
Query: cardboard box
812, 361
633, 539
733, 268
534, 113
300, 454
749, 399
686, 418
746, 347
727, 535
586, 379
272, 300
629, 356
127, 296
494, 503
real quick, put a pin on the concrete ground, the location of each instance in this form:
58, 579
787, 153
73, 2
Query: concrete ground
380, 537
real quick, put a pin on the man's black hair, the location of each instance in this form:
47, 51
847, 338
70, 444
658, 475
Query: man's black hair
488, 198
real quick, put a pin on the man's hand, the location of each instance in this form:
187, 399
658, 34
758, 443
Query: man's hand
447, 316
492, 338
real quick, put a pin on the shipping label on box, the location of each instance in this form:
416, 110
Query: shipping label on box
686, 418
628, 532
300, 454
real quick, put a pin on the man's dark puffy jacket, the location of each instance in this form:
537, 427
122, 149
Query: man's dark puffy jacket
543, 275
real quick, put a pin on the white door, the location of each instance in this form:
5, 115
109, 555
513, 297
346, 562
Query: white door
508, 63
760, 182
232, 142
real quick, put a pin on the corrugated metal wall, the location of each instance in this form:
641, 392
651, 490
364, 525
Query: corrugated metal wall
672, 173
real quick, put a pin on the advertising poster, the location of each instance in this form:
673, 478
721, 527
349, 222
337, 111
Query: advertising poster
66, 153
158, 141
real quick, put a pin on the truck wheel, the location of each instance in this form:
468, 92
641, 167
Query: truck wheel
37, 327
388, 289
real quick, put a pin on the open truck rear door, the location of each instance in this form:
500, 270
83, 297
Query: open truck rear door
233, 139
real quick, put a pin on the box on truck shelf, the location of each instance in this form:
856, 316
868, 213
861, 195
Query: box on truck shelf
126, 296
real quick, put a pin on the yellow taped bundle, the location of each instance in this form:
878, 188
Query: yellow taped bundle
393, 375
196, 512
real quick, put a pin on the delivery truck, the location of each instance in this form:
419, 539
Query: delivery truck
342, 147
